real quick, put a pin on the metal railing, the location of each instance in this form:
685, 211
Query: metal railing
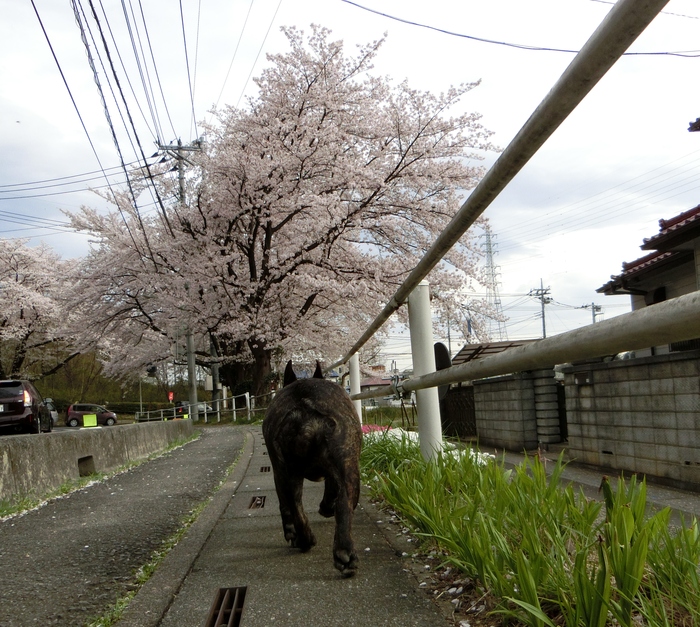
227, 408
623, 24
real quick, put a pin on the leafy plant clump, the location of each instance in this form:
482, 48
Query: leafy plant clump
549, 555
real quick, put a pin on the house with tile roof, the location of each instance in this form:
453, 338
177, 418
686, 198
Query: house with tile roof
671, 269
640, 414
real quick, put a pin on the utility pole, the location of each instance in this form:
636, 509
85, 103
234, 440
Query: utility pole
178, 153
595, 310
542, 295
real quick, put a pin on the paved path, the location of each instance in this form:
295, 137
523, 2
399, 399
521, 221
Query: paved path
71, 559
233, 545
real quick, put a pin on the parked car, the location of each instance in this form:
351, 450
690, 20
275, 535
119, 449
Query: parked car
182, 407
75, 413
22, 408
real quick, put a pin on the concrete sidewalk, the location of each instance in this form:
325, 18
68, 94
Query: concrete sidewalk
232, 544
236, 542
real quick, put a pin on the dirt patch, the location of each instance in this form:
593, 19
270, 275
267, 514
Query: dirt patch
461, 601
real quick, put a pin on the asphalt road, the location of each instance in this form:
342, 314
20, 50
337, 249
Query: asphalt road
67, 562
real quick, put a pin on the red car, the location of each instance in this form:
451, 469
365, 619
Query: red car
75, 413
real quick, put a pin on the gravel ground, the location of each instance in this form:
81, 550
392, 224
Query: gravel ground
68, 561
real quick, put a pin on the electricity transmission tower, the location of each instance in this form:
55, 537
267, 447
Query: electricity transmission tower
497, 326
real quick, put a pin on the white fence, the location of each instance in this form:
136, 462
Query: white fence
227, 408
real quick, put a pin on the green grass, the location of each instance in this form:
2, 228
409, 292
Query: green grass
549, 555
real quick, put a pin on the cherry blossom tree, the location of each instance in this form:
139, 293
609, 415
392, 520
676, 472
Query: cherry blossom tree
33, 282
311, 205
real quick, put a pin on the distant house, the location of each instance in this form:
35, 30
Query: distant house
372, 383
670, 270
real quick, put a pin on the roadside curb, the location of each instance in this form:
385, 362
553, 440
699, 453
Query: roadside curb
152, 601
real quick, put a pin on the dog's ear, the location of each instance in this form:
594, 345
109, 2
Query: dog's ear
318, 373
289, 376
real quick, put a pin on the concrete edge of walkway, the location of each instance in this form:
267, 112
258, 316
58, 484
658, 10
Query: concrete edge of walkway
151, 602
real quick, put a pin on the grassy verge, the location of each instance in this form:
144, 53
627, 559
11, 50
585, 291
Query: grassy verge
547, 554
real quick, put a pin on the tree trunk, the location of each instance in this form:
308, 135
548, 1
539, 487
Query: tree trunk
262, 367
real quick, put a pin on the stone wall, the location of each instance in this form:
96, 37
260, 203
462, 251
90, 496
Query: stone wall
638, 415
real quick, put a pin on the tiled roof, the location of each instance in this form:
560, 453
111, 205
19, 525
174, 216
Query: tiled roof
630, 267
667, 247
621, 283
673, 227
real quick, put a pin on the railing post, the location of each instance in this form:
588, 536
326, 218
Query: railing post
421, 327
355, 383
248, 403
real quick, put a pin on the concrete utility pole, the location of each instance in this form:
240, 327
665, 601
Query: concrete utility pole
595, 310
178, 153
215, 383
423, 352
541, 295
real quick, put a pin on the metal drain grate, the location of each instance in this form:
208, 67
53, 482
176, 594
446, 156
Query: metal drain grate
257, 502
264, 468
227, 607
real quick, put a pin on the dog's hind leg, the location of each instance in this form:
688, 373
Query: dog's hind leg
295, 524
344, 555
330, 496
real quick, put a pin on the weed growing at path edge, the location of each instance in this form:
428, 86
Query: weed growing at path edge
545, 554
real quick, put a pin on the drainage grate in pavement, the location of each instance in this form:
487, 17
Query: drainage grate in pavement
227, 607
264, 468
257, 502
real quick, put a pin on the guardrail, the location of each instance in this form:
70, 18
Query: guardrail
624, 23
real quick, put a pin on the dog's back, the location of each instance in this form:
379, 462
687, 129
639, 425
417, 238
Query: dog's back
312, 425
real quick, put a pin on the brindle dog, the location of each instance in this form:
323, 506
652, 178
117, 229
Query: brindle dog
312, 431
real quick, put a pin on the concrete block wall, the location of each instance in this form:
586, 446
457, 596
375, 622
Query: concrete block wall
518, 411
639, 415
39, 463
505, 412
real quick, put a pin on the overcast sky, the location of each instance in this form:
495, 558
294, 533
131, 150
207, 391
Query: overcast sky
579, 209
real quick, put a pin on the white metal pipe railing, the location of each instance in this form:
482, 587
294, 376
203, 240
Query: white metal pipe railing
421, 322
675, 320
623, 24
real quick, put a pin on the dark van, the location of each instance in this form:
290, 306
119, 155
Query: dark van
22, 408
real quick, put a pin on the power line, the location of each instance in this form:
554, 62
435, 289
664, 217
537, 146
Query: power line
65, 82
155, 68
685, 53
142, 68
262, 45
187, 63
109, 120
63, 178
235, 52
